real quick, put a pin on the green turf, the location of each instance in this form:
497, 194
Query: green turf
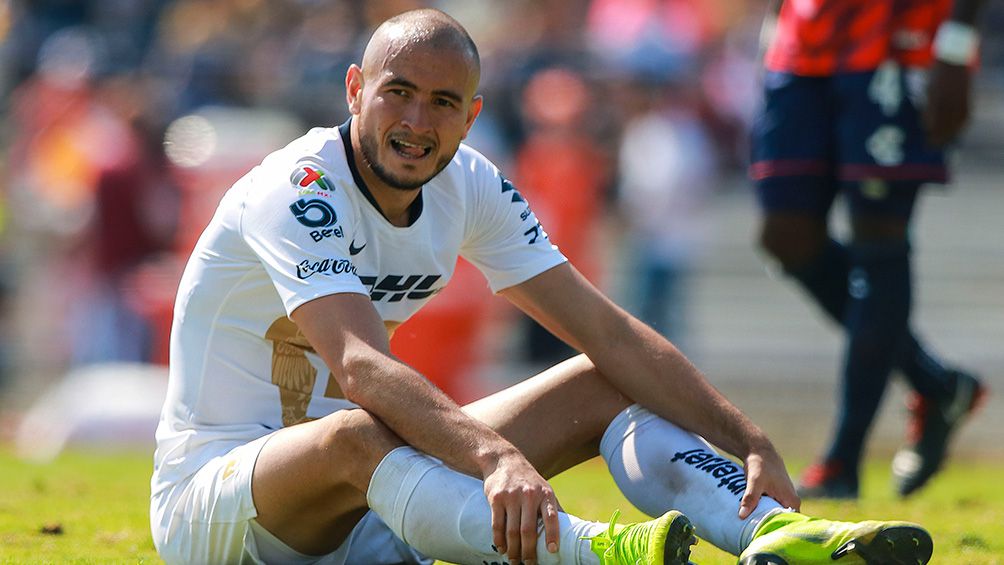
100, 504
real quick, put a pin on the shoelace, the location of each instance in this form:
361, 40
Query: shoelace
605, 541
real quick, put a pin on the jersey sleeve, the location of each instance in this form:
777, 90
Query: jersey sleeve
503, 238
301, 234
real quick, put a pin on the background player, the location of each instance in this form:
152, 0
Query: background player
845, 113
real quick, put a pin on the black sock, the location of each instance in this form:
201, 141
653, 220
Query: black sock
876, 319
825, 279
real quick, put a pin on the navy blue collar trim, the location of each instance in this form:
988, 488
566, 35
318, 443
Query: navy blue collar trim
345, 131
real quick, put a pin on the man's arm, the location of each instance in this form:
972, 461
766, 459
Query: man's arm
650, 370
350, 337
948, 89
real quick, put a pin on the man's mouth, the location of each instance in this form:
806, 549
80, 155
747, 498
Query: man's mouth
410, 149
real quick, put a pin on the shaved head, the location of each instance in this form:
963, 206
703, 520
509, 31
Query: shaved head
424, 28
414, 98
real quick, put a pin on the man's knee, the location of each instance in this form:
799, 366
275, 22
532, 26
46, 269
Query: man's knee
793, 239
339, 450
310, 480
356, 441
879, 229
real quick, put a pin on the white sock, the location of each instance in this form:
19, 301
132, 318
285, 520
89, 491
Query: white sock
660, 467
445, 515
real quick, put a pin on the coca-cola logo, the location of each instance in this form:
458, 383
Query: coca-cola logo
307, 268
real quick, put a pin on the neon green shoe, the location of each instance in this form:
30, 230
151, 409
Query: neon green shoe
795, 539
663, 541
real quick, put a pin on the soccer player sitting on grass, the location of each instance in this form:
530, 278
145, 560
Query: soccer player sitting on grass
290, 433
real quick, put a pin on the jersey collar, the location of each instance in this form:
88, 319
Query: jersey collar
345, 131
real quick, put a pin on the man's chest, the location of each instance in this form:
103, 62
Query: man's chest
402, 270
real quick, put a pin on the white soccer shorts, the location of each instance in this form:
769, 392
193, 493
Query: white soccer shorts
210, 519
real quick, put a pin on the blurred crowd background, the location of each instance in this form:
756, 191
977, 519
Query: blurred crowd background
125, 120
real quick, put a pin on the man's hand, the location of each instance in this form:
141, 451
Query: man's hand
947, 107
765, 474
518, 496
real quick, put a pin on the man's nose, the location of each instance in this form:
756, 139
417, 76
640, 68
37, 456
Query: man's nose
417, 117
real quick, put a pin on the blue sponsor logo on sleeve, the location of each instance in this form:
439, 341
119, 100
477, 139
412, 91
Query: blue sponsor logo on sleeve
314, 213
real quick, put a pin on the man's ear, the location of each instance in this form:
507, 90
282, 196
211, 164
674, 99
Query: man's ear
354, 88
472, 113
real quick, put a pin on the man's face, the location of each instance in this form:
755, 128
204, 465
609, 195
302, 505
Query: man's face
413, 111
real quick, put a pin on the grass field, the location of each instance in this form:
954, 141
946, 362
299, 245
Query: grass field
92, 508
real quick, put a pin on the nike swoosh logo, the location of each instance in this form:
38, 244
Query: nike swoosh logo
353, 250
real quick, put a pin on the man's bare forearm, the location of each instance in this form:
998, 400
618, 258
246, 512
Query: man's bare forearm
350, 337
638, 361
684, 395
425, 417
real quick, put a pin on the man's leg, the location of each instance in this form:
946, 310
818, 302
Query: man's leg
559, 418
310, 480
825, 275
659, 466
877, 312
314, 481
875, 276
799, 240
880, 216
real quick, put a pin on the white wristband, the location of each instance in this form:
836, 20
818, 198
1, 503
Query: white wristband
956, 43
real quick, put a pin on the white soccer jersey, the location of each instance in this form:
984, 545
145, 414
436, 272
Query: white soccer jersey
297, 227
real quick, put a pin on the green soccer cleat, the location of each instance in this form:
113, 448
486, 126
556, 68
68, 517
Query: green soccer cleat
663, 541
795, 539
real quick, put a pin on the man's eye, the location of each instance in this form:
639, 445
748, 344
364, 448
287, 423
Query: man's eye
445, 102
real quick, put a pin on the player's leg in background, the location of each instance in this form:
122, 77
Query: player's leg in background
881, 271
822, 267
793, 168
880, 136
877, 312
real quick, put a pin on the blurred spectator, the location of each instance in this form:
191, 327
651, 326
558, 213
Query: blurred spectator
564, 173
651, 37
666, 172
133, 221
89, 203
51, 176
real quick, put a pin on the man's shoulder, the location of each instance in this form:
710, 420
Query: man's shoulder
313, 163
469, 169
307, 180
321, 145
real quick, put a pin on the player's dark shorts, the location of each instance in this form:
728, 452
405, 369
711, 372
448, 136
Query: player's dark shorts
859, 133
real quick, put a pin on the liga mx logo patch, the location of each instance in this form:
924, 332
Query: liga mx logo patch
305, 176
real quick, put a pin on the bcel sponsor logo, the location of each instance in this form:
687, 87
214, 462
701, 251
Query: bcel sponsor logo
307, 268
730, 475
318, 235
